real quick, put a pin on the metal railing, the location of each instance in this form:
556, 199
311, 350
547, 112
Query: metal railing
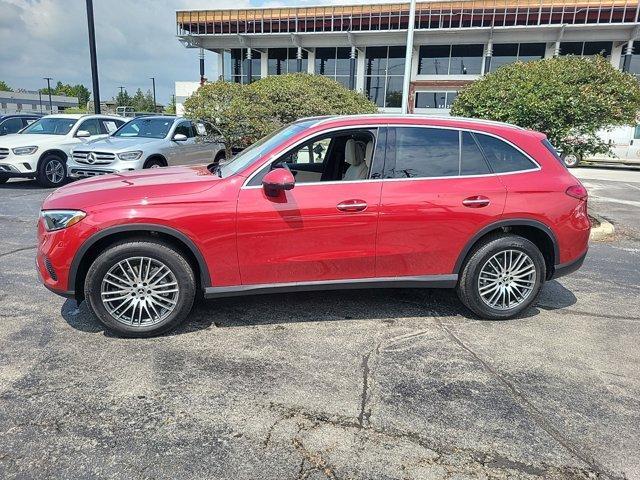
429, 15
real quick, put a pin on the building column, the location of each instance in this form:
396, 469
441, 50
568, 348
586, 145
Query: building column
299, 60
556, 49
360, 71
264, 64
628, 54
249, 66
487, 58
352, 69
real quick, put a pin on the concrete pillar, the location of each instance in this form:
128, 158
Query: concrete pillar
556, 49
360, 71
352, 68
202, 79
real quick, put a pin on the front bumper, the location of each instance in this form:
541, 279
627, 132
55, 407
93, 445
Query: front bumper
83, 170
19, 165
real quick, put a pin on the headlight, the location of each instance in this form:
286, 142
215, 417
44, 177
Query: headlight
59, 219
130, 155
24, 150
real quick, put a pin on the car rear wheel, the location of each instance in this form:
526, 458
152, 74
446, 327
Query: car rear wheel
502, 277
3, 179
140, 288
51, 171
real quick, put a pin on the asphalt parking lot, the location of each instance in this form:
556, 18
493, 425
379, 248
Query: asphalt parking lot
360, 384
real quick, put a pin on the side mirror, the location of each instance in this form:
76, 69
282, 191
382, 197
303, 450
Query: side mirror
278, 180
83, 134
179, 137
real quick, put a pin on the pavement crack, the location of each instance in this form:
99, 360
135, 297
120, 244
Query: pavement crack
11, 252
537, 416
367, 374
317, 462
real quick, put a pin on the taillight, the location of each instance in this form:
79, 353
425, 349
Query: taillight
577, 191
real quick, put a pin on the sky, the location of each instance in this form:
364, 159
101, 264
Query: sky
136, 40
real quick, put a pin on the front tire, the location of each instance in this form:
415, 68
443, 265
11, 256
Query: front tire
52, 171
3, 179
154, 163
502, 277
571, 160
140, 288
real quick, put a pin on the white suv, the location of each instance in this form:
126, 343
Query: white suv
42, 149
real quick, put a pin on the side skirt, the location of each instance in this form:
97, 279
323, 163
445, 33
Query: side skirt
426, 281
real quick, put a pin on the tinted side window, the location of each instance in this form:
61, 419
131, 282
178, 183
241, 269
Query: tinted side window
185, 129
472, 161
90, 126
426, 152
11, 125
503, 157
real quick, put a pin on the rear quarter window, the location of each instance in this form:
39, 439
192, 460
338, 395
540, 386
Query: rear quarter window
553, 152
502, 157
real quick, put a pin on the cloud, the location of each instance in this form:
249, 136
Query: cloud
135, 40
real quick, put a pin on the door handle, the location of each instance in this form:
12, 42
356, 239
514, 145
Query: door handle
352, 206
477, 201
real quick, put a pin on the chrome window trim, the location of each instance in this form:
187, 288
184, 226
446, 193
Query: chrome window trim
274, 157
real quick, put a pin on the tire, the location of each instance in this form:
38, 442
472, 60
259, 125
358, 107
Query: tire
476, 293
3, 180
571, 160
52, 171
146, 315
153, 163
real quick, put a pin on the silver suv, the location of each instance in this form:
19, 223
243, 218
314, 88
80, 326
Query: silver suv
147, 142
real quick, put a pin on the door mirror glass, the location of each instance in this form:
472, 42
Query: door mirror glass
83, 134
179, 137
278, 180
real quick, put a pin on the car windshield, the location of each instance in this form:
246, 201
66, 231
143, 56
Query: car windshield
145, 128
51, 126
258, 149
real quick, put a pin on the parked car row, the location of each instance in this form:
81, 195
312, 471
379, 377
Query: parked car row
56, 147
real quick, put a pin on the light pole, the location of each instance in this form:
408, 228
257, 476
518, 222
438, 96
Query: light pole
48, 79
408, 57
94, 60
153, 82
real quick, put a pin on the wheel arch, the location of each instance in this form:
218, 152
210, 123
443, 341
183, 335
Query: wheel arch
535, 231
52, 151
101, 240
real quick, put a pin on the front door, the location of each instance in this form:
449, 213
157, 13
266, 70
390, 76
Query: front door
325, 227
437, 193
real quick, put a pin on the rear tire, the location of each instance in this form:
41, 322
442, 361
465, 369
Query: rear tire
502, 277
571, 160
52, 171
3, 180
140, 288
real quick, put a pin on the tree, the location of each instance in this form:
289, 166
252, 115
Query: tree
123, 99
4, 87
567, 98
148, 100
79, 91
300, 95
240, 114
245, 113
141, 102
170, 109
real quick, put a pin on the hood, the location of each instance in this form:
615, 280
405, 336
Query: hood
28, 139
118, 144
141, 187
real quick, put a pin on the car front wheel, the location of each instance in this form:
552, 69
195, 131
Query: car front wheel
502, 277
51, 171
140, 288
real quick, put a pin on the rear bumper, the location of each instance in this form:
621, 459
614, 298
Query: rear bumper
566, 268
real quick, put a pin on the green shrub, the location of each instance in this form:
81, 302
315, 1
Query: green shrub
245, 113
567, 98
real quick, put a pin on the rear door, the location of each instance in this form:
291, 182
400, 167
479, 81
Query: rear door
437, 193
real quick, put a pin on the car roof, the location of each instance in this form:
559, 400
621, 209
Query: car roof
161, 117
77, 116
5, 115
413, 119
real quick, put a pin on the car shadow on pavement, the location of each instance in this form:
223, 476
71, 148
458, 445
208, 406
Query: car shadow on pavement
24, 184
385, 305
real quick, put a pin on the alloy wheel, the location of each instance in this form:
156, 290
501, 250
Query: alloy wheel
507, 279
54, 171
139, 291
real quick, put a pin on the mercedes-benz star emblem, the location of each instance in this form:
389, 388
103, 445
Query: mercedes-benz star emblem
91, 157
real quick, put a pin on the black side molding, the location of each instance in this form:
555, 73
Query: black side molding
426, 281
566, 268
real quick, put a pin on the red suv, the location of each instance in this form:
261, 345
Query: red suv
324, 203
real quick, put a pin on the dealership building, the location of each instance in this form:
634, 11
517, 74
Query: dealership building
364, 46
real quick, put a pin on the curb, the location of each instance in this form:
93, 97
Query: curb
603, 230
